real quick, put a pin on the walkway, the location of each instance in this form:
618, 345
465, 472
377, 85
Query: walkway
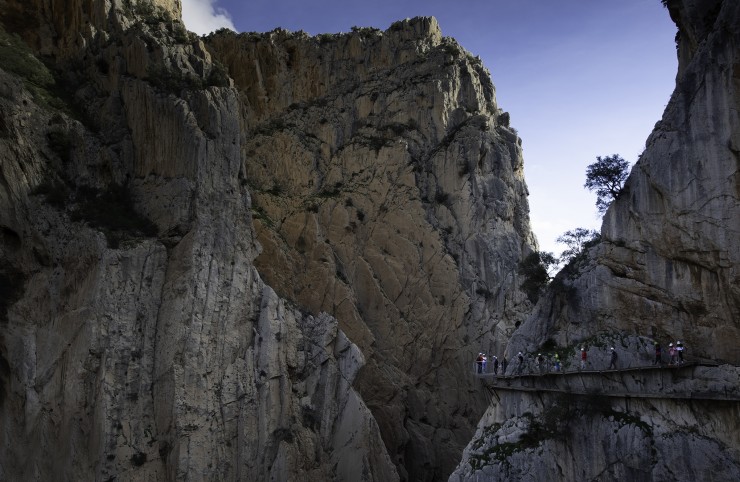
657, 382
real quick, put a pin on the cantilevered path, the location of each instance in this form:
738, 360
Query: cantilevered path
689, 381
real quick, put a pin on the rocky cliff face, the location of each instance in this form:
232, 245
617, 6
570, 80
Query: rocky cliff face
138, 339
666, 270
388, 191
369, 178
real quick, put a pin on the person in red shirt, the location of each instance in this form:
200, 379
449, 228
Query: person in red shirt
584, 358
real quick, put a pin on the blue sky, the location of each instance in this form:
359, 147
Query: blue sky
580, 78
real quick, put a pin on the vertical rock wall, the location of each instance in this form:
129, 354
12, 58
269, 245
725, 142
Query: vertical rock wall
388, 190
667, 266
665, 270
138, 340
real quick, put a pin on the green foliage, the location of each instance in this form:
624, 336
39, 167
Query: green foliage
366, 32
326, 38
259, 213
275, 190
219, 75
330, 191
577, 240
535, 269
172, 81
606, 176
451, 47
270, 127
180, 33
17, 57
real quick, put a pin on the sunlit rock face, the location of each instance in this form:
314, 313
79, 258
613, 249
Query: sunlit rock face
388, 190
666, 271
370, 179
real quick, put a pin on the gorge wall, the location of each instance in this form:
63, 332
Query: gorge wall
388, 190
666, 269
151, 180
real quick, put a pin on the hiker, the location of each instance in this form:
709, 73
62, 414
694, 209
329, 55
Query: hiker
485, 361
584, 357
495, 365
679, 352
540, 362
557, 362
504, 364
658, 358
613, 361
520, 357
671, 354
479, 362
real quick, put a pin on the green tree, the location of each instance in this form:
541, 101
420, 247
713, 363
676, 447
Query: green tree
577, 241
535, 269
606, 176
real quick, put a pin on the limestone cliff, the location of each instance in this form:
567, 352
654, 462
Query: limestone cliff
666, 269
137, 339
151, 180
388, 191
667, 266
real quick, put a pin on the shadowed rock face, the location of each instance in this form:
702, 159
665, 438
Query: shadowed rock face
668, 264
137, 340
666, 270
370, 178
388, 190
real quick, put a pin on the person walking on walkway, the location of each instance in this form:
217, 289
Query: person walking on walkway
504, 364
658, 359
584, 358
495, 365
520, 357
679, 352
540, 362
672, 354
613, 360
485, 362
479, 363
557, 362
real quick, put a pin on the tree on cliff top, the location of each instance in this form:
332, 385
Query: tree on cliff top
606, 176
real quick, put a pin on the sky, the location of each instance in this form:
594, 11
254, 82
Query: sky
580, 78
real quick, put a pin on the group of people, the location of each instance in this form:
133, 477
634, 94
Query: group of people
557, 365
482, 361
675, 354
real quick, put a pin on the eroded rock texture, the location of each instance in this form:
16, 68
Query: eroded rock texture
668, 263
666, 270
388, 191
138, 341
369, 178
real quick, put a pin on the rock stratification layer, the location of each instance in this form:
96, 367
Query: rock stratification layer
666, 270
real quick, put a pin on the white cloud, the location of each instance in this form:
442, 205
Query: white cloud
203, 17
